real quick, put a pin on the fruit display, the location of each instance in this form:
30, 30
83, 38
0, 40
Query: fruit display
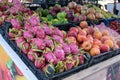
95, 40
73, 12
115, 25
46, 46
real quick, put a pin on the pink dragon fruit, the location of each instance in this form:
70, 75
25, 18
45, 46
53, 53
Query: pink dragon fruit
58, 32
25, 47
68, 62
49, 43
19, 40
32, 55
66, 48
16, 23
11, 35
40, 33
48, 30
57, 39
28, 35
74, 48
59, 53
34, 21
39, 62
27, 26
49, 70
56, 61
76, 60
59, 67
49, 57
39, 43
82, 58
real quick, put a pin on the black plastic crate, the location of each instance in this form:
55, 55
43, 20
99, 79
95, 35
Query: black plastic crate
39, 73
64, 27
104, 56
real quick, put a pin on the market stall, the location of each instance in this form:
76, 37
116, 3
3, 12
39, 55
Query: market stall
58, 40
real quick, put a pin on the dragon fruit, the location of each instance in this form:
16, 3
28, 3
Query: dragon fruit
49, 70
38, 43
76, 60
59, 53
74, 48
48, 30
49, 57
27, 26
39, 62
25, 47
59, 67
40, 33
49, 43
34, 21
58, 32
16, 24
68, 62
82, 58
32, 55
66, 49
57, 39
28, 35
11, 35
19, 40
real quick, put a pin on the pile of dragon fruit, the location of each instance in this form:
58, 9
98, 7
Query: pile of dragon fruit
45, 45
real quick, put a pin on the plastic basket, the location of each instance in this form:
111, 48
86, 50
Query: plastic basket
37, 72
104, 56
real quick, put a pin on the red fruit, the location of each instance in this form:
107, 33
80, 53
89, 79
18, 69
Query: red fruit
87, 45
104, 48
74, 29
81, 38
82, 32
72, 33
94, 51
18, 70
82, 59
71, 39
83, 24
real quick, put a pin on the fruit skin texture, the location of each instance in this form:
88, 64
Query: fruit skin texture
83, 24
81, 38
97, 35
96, 42
87, 45
94, 51
104, 38
105, 33
109, 42
104, 48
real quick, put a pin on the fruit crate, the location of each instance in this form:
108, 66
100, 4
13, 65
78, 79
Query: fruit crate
38, 72
64, 27
104, 56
